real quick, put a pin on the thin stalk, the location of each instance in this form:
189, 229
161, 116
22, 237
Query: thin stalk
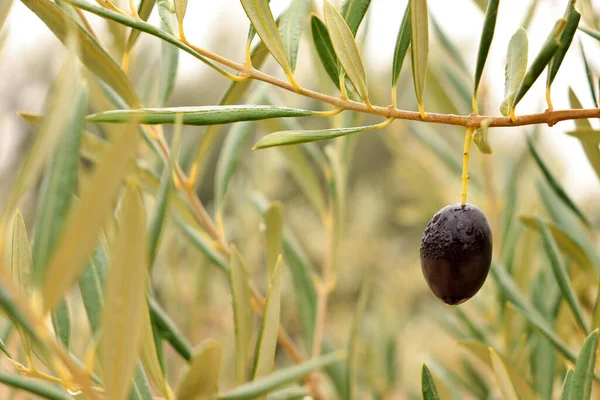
465, 171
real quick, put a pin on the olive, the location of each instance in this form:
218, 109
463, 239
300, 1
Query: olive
456, 252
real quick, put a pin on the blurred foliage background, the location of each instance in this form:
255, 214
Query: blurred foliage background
399, 177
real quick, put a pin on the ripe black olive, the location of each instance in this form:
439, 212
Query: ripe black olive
456, 252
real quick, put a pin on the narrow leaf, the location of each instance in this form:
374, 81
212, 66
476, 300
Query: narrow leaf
202, 242
487, 35
589, 144
401, 48
21, 270
33, 386
86, 218
144, 10
61, 322
353, 12
166, 11
353, 359
203, 115
169, 61
50, 131
567, 385
200, 380
149, 355
291, 25
282, 376
266, 345
590, 75
125, 298
259, 14
516, 66
581, 383
428, 387
273, 218
419, 38
180, 9
502, 377
228, 159
285, 138
565, 39
346, 50
540, 62
242, 311
553, 183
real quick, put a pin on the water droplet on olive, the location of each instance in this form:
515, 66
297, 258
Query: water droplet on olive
456, 252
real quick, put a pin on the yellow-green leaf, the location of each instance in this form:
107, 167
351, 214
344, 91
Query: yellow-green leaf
149, 355
125, 298
273, 218
21, 268
259, 14
419, 38
346, 49
242, 312
200, 380
502, 377
51, 130
264, 357
79, 235
180, 9
516, 66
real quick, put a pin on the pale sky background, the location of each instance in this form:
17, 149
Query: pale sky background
461, 19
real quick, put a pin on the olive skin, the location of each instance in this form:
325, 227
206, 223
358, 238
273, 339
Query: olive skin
456, 252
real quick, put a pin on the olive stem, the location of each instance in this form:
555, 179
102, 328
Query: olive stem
465, 170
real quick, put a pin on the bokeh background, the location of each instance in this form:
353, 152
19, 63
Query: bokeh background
399, 176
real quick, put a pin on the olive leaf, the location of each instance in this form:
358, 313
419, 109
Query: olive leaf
502, 377
428, 387
242, 311
346, 49
567, 384
419, 37
21, 270
273, 219
590, 75
401, 48
180, 9
487, 35
353, 12
581, 382
565, 39
516, 66
200, 380
291, 25
480, 137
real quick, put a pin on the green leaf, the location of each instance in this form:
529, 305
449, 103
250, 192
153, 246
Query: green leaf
166, 11
590, 75
291, 25
140, 388
87, 217
50, 132
180, 9
353, 359
516, 66
33, 386
286, 138
149, 356
325, 49
428, 385
566, 242
565, 39
401, 48
567, 384
589, 144
302, 276
540, 62
200, 380
353, 12
516, 375
21, 270
264, 356
91, 285
553, 183
524, 307
202, 242
273, 218
163, 197
91, 54
242, 312
487, 35
54, 203
228, 159
502, 377
169, 61
289, 393
144, 10
419, 38
125, 298
480, 138
581, 383
282, 376
346, 50
203, 115
260, 16
169, 331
